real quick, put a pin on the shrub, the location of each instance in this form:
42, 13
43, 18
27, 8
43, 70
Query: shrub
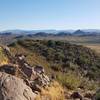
69, 80
12, 44
56, 67
51, 43
88, 84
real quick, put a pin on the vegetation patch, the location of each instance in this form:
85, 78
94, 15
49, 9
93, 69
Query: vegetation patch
3, 57
71, 64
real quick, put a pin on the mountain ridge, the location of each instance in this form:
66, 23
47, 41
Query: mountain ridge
51, 31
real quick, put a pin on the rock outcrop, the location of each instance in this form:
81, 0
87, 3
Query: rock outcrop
76, 95
13, 88
35, 75
19, 80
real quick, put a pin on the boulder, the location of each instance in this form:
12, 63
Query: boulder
6, 48
10, 69
76, 95
13, 88
39, 69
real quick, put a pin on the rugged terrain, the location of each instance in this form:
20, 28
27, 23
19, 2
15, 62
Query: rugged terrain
21, 81
73, 70
73, 66
62, 56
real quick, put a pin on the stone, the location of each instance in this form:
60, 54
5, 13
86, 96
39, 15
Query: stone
8, 69
76, 95
39, 69
20, 56
6, 48
13, 88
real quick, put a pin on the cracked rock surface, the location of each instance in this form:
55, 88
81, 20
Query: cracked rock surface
13, 88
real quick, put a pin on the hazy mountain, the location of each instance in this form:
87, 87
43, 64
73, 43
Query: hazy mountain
79, 32
91, 30
18, 31
51, 32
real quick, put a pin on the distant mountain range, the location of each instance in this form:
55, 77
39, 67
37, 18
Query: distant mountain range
79, 32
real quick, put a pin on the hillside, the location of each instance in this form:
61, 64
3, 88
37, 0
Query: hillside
15, 78
62, 60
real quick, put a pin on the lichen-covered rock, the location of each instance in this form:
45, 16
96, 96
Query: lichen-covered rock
13, 88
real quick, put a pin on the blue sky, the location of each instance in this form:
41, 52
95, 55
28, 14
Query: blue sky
49, 14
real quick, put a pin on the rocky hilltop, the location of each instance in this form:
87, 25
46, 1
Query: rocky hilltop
19, 80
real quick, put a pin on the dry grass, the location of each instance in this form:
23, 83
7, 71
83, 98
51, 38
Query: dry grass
31, 57
95, 47
54, 92
3, 57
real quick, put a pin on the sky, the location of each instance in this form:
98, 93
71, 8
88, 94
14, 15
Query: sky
49, 14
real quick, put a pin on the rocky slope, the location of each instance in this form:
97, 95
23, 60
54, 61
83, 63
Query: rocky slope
64, 56
21, 81
74, 66
31, 82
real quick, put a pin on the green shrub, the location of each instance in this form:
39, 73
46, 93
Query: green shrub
69, 80
56, 67
64, 57
88, 84
51, 43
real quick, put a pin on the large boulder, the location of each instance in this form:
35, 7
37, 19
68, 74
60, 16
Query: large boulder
13, 88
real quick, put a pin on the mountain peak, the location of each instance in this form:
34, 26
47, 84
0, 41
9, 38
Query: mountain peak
79, 32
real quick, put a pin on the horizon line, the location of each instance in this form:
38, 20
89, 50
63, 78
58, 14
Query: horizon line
16, 29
